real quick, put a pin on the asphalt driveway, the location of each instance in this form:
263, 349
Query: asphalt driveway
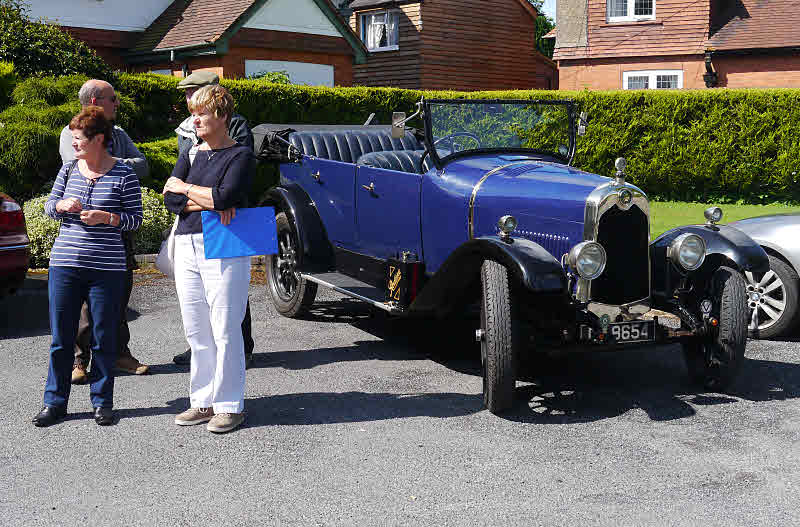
359, 419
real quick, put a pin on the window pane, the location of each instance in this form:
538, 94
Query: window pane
643, 8
617, 8
639, 82
667, 82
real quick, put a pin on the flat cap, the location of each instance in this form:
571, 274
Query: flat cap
199, 79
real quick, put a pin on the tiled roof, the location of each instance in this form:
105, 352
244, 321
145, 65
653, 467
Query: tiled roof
758, 24
550, 34
191, 22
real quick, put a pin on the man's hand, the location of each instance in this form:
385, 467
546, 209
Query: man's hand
175, 186
227, 215
69, 205
95, 217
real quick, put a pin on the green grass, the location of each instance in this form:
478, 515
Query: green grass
666, 215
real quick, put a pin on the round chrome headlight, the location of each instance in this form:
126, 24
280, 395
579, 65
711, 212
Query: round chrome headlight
588, 259
713, 214
507, 224
688, 251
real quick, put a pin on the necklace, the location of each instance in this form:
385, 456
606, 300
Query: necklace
211, 153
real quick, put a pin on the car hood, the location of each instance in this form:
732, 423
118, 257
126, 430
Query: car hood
548, 200
777, 232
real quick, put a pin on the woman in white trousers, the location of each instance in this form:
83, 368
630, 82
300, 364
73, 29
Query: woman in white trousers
212, 292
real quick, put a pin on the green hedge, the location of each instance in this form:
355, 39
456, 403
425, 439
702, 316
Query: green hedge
42, 229
8, 80
706, 145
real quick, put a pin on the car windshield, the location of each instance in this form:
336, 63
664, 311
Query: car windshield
466, 126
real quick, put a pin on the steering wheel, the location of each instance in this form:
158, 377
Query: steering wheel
451, 138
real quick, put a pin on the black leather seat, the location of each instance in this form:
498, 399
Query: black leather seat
402, 160
349, 145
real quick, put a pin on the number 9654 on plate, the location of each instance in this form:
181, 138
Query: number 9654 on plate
635, 331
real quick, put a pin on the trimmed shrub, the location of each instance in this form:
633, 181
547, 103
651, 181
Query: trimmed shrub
161, 106
28, 157
161, 157
43, 230
156, 219
8, 80
40, 48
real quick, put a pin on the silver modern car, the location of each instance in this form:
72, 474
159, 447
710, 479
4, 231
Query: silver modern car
773, 297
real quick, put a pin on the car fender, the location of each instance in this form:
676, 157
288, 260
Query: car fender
529, 265
292, 199
724, 246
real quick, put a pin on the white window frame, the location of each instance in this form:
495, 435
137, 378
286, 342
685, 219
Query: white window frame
362, 23
653, 77
630, 16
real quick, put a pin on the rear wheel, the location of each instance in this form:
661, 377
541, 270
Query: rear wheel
499, 338
772, 300
291, 294
715, 359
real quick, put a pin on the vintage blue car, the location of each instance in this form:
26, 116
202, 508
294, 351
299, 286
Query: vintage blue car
481, 208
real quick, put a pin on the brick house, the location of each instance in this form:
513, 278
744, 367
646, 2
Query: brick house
235, 38
638, 44
449, 44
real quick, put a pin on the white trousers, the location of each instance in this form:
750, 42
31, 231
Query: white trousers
213, 299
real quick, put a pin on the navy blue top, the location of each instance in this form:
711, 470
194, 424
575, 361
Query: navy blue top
226, 170
97, 246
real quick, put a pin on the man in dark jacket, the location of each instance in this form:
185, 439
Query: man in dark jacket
240, 132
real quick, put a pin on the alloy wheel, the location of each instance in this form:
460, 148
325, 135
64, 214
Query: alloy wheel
766, 298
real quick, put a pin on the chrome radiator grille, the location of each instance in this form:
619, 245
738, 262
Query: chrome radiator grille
625, 236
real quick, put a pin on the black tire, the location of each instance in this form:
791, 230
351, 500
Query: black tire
715, 359
784, 283
291, 294
500, 340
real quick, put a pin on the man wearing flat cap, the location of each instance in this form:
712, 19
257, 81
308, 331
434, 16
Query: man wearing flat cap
240, 132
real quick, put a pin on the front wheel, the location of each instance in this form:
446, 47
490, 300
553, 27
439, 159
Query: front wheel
291, 294
498, 337
715, 359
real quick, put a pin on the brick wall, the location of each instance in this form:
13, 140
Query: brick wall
758, 71
109, 45
606, 74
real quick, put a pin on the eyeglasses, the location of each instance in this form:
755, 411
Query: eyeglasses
86, 195
113, 98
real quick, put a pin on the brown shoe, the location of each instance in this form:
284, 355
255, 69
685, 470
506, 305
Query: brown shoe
221, 423
194, 416
131, 365
79, 375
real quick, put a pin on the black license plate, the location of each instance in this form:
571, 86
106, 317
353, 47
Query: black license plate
636, 331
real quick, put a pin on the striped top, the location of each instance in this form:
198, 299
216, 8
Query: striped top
98, 246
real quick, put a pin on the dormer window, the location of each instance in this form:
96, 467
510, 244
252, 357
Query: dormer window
631, 10
379, 30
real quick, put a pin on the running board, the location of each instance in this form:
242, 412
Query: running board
355, 289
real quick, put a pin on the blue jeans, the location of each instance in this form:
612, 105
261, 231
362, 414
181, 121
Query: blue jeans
68, 288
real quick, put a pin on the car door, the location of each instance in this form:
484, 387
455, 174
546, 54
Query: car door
388, 212
330, 185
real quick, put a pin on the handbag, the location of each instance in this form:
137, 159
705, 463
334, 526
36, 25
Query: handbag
165, 261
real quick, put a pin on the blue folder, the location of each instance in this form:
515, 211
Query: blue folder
251, 232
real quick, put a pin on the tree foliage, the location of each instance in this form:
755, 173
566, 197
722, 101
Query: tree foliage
39, 48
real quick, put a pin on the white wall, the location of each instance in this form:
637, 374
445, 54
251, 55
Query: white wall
299, 72
119, 15
298, 16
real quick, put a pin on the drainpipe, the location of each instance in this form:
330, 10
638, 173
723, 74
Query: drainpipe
710, 76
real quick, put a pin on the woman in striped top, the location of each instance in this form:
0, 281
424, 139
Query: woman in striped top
96, 197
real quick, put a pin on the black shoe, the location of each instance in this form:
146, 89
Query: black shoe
103, 416
248, 360
49, 415
184, 358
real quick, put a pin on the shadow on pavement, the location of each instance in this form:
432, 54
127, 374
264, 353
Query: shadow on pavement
581, 387
27, 312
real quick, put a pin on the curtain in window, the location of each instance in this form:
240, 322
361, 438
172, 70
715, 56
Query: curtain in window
638, 82
617, 8
380, 30
667, 82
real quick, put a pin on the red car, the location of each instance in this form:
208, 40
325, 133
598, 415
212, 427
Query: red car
14, 242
